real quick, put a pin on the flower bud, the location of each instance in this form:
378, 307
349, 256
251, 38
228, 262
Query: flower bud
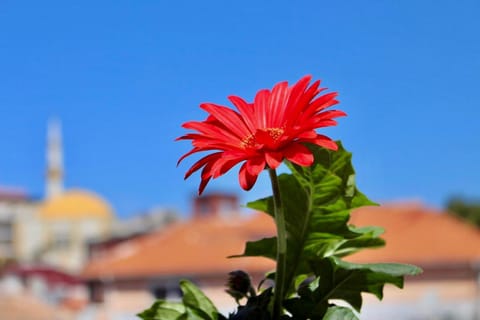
239, 285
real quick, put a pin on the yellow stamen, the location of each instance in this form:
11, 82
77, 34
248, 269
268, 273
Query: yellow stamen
250, 141
275, 133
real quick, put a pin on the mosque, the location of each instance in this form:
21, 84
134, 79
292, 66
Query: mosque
55, 230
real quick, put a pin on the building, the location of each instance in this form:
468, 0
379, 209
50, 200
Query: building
152, 220
445, 247
33, 292
68, 222
127, 279
30, 307
53, 231
44, 242
16, 207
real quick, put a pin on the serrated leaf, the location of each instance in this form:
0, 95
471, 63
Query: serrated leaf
368, 238
266, 247
317, 210
346, 281
393, 269
339, 313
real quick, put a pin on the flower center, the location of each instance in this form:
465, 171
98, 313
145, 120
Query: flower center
250, 141
275, 133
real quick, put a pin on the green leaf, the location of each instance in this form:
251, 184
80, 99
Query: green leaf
161, 310
346, 281
368, 238
317, 210
393, 269
317, 201
266, 247
194, 306
340, 280
196, 300
339, 313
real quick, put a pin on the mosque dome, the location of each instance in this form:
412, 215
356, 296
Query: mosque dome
76, 204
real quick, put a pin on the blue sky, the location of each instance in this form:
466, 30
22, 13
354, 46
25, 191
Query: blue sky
124, 75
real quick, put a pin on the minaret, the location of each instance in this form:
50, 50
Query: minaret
54, 179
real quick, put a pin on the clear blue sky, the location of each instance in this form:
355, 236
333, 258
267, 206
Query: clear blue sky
124, 75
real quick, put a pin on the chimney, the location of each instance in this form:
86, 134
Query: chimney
217, 205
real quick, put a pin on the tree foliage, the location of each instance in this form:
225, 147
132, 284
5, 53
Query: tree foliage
468, 210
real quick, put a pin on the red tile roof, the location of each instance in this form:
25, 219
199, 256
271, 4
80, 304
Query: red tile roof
49, 274
12, 194
414, 234
199, 247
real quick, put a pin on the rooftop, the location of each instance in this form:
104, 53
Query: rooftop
414, 234
199, 246
76, 203
419, 235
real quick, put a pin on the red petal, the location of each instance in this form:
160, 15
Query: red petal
202, 162
246, 179
225, 163
326, 142
319, 104
202, 186
299, 154
277, 103
300, 98
194, 150
314, 124
325, 123
206, 176
261, 108
211, 130
264, 138
246, 110
228, 117
298, 89
324, 101
330, 114
310, 134
306, 97
255, 165
273, 159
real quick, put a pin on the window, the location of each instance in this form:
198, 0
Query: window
95, 291
171, 292
159, 292
61, 238
6, 232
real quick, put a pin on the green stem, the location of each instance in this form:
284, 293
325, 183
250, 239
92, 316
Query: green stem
281, 247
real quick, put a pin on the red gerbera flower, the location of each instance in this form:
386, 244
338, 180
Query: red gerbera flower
263, 133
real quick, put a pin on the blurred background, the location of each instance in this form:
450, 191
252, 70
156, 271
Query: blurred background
96, 221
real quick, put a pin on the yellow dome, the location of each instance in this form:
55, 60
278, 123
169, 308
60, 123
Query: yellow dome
75, 204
